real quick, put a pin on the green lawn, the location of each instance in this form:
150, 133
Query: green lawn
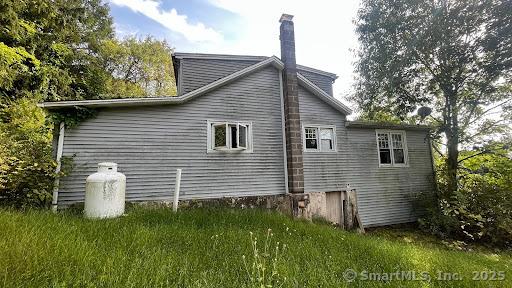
206, 248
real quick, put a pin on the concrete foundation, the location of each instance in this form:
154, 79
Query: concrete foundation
301, 205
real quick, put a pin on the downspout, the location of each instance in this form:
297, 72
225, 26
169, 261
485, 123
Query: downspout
285, 160
56, 182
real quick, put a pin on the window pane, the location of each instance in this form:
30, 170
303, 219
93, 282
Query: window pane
220, 135
311, 144
326, 139
311, 138
385, 156
242, 136
234, 142
397, 140
326, 144
310, 133
383, 141
326, 133
398, 155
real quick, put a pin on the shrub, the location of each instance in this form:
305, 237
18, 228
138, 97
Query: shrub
481, 208
26, 164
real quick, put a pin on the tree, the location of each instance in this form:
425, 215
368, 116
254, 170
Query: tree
48, 51
453, 55
139, 68
58, 42
53, 50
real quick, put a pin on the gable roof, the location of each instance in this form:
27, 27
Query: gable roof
182, 55
311, 87
123, 102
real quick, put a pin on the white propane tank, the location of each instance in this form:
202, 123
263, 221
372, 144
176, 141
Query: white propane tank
105, 192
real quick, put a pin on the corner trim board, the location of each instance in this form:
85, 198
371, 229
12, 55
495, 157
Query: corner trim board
285, 160
56, 183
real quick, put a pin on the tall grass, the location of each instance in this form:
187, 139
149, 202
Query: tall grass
205, 248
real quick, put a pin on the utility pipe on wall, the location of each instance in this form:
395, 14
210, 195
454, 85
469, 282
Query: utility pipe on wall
176, 190
60, 146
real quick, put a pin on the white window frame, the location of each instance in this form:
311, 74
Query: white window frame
318, 127
210, 137
391, 149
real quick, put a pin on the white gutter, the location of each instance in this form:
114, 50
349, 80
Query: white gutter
56, 182
284, 132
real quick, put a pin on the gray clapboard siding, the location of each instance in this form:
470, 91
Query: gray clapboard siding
149, 143
196, 73
322, 81
383, 193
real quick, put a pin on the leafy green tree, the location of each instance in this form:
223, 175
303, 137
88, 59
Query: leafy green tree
454, 56
52, 50
139, 68
55, 46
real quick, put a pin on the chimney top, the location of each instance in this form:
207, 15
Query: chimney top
286, 17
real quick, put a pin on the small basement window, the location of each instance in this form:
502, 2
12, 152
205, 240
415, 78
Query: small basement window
228, 136
392, 148
319, 138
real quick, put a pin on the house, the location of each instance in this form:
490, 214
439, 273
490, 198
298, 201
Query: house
249, 126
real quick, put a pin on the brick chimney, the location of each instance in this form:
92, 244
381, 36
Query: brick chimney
291, 106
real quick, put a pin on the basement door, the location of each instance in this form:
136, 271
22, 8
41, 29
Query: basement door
333, 203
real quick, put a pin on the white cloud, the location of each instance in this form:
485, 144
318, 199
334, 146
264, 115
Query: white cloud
324, 33
173, 21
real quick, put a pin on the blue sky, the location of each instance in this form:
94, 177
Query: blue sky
324, 30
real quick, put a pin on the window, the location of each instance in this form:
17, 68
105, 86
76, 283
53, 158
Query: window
392, 148
311, 138
326, 139
228, 136
319, 138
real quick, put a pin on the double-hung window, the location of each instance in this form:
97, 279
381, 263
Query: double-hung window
392, 148
319, 138
229, 136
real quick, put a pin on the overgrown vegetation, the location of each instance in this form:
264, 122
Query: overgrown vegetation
62, 50
26, 164
205, 248
456, 58
481, 208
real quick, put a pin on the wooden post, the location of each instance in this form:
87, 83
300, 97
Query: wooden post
176, 190
350, 210
342, 216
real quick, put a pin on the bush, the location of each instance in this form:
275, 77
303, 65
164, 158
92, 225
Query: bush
26, 164
481, 208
